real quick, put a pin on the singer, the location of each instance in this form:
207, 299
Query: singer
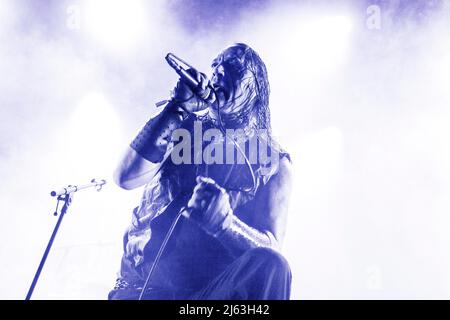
226, 245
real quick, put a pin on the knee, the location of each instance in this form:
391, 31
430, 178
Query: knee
270, 257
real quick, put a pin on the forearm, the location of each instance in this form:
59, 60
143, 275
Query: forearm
134, 171
239, 237
152, 141
142, 158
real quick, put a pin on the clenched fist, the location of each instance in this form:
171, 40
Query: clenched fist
210, 205
187, 97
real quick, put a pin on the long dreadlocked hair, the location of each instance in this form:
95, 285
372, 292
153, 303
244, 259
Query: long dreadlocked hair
256, 66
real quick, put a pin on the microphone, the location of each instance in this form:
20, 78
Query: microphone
175, 62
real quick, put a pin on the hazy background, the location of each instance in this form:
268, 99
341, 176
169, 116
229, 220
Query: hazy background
360, 98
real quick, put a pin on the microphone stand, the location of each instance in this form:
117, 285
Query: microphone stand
64, 195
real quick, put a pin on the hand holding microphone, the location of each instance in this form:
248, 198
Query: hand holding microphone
190, 98
193, 91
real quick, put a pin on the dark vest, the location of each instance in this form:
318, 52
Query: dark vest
191, 258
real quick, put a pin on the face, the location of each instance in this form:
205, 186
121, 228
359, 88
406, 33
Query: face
233, 82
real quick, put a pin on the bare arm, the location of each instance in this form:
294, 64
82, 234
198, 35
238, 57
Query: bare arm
143, 157
148, 150
133, 170
275, 200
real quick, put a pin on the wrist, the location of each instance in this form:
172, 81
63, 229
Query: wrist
239, 237
152, 140
176, 108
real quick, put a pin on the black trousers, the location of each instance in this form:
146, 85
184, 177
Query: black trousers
259, 274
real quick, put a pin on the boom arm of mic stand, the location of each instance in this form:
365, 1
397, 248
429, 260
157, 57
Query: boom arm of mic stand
65, 195
72, 189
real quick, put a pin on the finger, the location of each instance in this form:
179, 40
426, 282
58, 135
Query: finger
204, 193
207, 187
201, 179
203, 81
181, 91
202, 196
216, 212
194, 203
198, 76
204, 187
210, 184
198, 204
184, 87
